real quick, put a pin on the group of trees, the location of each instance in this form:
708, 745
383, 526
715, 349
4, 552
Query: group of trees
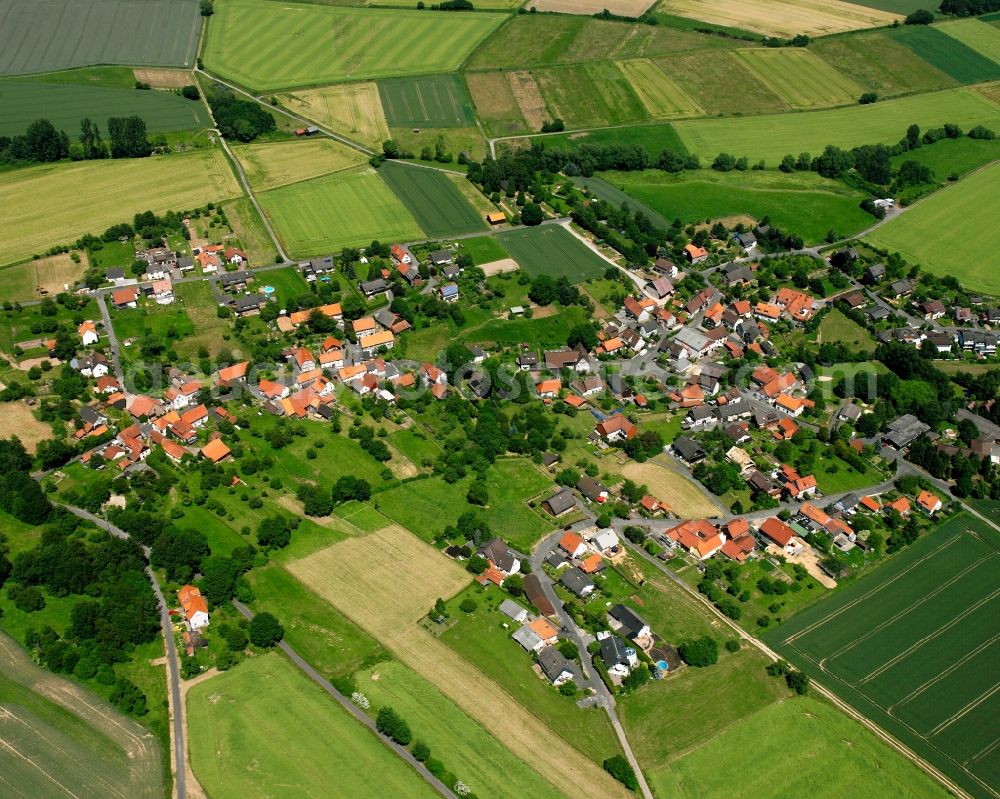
243, 120
968, 8
20, 494
43, 143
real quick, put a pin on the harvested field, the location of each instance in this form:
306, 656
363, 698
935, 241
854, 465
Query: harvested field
435, 101
496, 267
720, 83
34, 279
495, 103
991, 91
165, 78
668, 485
17, 419
529, 99
799, 77
268, 166
353, 109
361, 578
781, 17
620, 8
663, 98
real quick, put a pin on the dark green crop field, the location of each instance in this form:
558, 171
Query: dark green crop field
914, 646
552, 250
947, 54
435, 202
436, 101
46, 36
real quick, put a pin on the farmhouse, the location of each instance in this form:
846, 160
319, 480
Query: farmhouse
694, 253
195, 607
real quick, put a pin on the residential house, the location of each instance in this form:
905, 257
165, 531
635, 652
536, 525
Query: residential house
554, 666
932, 309
616, 428
903, 431
661, 287
512, 610
928, 502
565, 359
528, 639
697, 537
695, 254
776, 531
372, 288
592, 489
195, 607
548, 389
235, 281
94, 365
577, 582
606, 541
747, 241
688, 450
216, 450
449, 292
625, 621
229, 376
559, 503
88, 333
619, 659
503, 558
127, 297
373, 341
536, 595
249, 305
573, 545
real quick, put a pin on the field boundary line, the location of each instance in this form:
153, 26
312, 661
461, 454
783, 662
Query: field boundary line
984, 751
963, 711
942, 674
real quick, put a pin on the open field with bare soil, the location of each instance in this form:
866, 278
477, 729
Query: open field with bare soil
164, 78
17, 419
361, 578
781, 17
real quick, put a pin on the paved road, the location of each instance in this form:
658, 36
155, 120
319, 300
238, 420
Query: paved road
173, 668
109, 331
355, 711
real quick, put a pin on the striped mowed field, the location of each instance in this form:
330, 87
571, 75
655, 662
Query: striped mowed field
274, 164
437, 101
663, 98
299, 44
799, 77
979, 36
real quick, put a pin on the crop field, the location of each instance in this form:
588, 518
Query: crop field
980, 36
947, 53
773, 136
802, 202
834, 756
799, 77
708, 77
17, 417
781, 17
362, 578
663, 98
42, 202
437, 101
274, 164
962, 215
600, 188
553, 250
43, 37
620, 8
495, 103
22, 282
596, 94
543, 40
685, 497
352, 109
470, 752
61, 741
654, 138
912, 645
435, 202
303, 44
235, 718
894, 6
346, 209
65, 104
880, 63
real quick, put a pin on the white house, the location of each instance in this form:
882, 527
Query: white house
88, 333
605, 540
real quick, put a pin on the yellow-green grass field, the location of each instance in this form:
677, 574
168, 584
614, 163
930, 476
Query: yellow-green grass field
800, 77
346, 209
21, 282
802, 747
351, 109
951, 232
709, 78
249, 229
456, 140
781, 17
239, 723
274, 164
980, 36
494, 101
663, 98
44, 206
597, 94
300, 44
837, 328
773, 136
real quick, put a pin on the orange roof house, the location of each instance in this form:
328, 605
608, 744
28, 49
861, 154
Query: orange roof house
216, 450
777, 531
496, 218
592, 564
699, 537
365, 324
548, 388
543, 628
194, 605
901, 506
871, 504
695, 253
802, 486
234, 373
815, 514
574, 401
786, 429
767, 310
572, 544
928, 502
615, 428
739, 549
125, 296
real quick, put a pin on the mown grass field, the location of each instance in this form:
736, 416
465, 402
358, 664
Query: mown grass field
980, 36
42, 202
236, 718
42, 37
60, 740
910, 645
274, 164
352, 109
773, 136
437, 101
596, 94
65, 104
836, 327
802, 202
346, 209
249, 229
949, 156
709, 78
655, 138
961, 217
552, 250
832, 756
799, 77
303, 44
780, 17
471, 753
947, 53
483, 249
880, 63
661, 96
21, 282
435, 202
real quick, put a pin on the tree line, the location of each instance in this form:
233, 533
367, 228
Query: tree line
43, 143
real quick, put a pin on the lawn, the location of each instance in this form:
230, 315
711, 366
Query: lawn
287, 283
952, 156
553, 250
980, 36
663, 97
268, 166
962, 215
415, 445
655, 138
947, 53
436, 101
832, 756
351, 109
42, 37
546, 332
482, 249
910, 644
435, 202
201, 308
65, 104
346, 209
596, 94
800, 77
42, 201
780, 17
468, 751
708, 77
304, 44
773, 136
236, 718
165, 321
836, 327
802, 202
